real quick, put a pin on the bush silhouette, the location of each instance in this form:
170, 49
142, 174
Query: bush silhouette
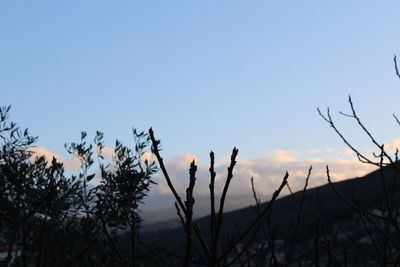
50, 219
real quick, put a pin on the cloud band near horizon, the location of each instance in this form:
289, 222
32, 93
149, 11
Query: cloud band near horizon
267, 172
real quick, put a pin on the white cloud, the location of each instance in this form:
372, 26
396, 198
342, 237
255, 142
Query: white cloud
349, 151
147, 156
267, 173
391, 148
178, 170
284, 155
69, 165
313, 151
108, 152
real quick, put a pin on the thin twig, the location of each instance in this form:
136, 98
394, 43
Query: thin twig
156, 151
153, 251
222, 201
303, 195
395, 66
256, 199
110, 239
360, 156
396, 118
350, 203
178, 212
292, 194
329, 120
368, 133
316, 242
80, 254
259, 217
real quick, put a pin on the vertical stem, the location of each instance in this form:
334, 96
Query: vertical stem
24, 239
229, 177
316, 241
133, 239
212, 202
179, 201
189, 214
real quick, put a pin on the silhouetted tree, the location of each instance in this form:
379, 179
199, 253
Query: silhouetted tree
211, 252
48, 218
124, 184
380, 228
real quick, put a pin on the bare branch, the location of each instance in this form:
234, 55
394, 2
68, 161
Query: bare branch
189, 213
256, 199
153, 251
368, 133
155, 150
81, 253
352, 205
212, 195
360, 156
178, 212
109, 238
303, 195
222, 200
396, 118
292, 194
179, 201
259, 217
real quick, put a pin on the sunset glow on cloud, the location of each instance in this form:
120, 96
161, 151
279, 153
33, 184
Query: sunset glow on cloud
267, 172
69, 164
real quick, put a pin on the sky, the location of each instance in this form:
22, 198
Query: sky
206, 75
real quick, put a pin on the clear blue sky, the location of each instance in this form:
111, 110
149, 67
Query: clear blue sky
204, 74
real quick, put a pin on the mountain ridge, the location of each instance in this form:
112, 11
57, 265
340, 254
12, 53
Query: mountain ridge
319, 201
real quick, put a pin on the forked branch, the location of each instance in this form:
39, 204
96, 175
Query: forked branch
362, 158
258, 218
180, 204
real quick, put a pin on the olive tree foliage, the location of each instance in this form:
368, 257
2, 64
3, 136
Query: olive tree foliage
51, 218
35, 195
124, 184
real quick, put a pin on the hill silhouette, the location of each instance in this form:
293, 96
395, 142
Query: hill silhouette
320, 203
